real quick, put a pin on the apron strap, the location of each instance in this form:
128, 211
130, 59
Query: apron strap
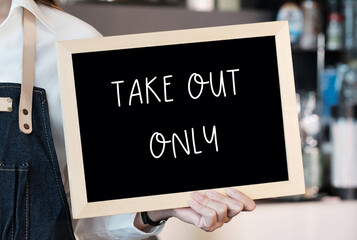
28, 72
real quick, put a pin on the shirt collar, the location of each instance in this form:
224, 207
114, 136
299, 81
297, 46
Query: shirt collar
35, 9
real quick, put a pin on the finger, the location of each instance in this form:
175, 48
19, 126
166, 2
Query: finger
233, 206
208, 217
228, 220
214, 201
248, 203
187, 215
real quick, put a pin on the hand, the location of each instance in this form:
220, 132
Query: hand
208, 211
212, 210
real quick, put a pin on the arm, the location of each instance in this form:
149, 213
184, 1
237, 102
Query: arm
208, 211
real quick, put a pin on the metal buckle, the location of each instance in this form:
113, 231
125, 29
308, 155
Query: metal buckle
6, 104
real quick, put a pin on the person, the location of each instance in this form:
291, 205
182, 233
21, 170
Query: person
34, 190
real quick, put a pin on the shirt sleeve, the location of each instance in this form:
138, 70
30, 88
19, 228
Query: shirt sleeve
112, 227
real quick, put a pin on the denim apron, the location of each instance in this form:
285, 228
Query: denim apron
33, 204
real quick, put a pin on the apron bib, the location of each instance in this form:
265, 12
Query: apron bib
33, 203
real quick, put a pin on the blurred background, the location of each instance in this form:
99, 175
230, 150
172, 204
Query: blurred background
324, 49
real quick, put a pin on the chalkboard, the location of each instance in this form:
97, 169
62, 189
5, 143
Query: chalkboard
150, 118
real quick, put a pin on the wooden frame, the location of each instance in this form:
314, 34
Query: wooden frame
81, 208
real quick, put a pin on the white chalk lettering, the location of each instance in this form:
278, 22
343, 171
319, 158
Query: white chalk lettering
160, 139
233, 79
165, 91
221, 85
185, 148
136, 86
195, 86
147, 88
194, 141
176, 142
136, 90
197, 81
213, 136
118, 92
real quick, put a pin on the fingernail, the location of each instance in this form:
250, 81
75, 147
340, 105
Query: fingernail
198, 196
230, 192
211, 194
193, 204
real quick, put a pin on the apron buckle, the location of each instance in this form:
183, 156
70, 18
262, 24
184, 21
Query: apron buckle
5, 104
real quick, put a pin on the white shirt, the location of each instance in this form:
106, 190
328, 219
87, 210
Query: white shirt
53, 25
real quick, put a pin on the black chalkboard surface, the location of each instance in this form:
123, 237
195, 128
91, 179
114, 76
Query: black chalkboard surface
169, 118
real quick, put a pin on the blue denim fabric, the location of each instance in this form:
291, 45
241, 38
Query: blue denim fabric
33, 204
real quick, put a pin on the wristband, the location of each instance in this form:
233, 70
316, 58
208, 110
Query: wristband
146, 220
